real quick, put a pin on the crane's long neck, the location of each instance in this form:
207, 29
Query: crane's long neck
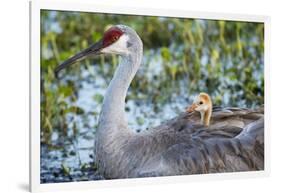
113, 109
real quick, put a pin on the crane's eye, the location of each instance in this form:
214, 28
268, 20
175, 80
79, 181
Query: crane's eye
201, 102
114, 38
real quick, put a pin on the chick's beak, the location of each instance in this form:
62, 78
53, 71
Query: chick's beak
191, 108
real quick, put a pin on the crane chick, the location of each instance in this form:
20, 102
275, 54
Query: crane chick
202, 104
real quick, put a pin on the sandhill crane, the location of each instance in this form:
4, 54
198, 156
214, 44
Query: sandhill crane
178, 146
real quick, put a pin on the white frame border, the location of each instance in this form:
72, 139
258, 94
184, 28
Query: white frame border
34, 145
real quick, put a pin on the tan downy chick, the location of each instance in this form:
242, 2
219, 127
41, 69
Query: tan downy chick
202, 104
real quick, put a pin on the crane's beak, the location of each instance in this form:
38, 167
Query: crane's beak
94, 49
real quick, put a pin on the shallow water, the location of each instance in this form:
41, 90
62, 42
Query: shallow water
69, 159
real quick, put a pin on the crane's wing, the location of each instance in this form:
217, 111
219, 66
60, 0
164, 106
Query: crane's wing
197, 150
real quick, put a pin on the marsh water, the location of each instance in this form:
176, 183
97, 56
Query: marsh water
222, 58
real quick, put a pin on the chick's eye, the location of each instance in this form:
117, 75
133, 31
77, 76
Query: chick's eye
200, 103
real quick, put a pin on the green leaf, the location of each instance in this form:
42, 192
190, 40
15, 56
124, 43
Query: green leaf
165, 52
75, 109
65, 169
66, 91
140, 120
98, 98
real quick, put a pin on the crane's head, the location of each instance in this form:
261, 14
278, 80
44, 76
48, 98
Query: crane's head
119, 39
